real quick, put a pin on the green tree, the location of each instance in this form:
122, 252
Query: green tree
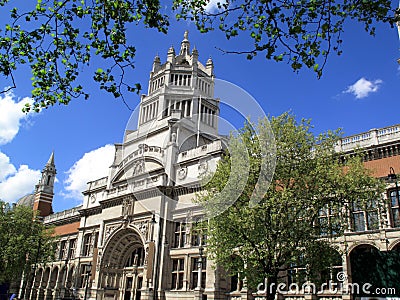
24, 241
301, 33
57, 40
288, 225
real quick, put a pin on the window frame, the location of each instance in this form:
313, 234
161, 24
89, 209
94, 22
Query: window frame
195, 272
395, 222
180, 236
178, 273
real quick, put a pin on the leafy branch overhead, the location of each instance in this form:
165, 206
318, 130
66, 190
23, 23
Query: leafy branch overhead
302, 32
59, 39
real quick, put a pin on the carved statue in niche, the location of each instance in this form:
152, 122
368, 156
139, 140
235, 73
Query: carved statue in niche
127, 207
146, 255
173, 137
182, 173
138, 168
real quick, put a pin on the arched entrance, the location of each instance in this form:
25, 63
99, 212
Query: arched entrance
122, 266
379, 269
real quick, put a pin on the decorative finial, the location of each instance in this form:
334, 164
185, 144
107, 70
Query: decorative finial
186, 34
171, 49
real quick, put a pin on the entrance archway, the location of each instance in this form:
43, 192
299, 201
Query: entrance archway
122, 266
378, 269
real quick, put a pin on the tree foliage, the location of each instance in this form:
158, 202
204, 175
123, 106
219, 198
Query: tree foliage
304, 209
302, 32
57, 40
24, 241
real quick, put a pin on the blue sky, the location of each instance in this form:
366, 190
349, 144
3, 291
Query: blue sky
358, 91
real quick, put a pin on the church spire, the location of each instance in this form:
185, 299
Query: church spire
45, 189
50, 162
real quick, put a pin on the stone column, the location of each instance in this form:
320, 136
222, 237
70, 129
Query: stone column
41, 289
347, 279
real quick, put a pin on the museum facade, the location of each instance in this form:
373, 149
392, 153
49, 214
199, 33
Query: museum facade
132, 238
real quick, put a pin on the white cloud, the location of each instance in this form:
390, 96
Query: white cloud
5, 167
11, 115
363, 87
14, 183
93, 165
212, 5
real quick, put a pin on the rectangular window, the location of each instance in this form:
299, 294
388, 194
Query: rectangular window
365, 216
358, 217
199, 231
178, 270
85, 274
372, 220
195, 272
72, 247
180, 235
328, 222
189, 103
87, 245
395, 197
63, 250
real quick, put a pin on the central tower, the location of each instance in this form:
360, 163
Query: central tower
181, 88
178, 114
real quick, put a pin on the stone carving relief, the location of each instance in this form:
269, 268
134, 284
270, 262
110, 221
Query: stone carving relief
138, 168
143, 227
93, 198
109, 231
203, 167
182, 173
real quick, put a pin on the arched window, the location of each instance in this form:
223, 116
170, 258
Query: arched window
136, 258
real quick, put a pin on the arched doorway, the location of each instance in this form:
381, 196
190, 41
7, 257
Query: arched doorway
122, 266
379, 269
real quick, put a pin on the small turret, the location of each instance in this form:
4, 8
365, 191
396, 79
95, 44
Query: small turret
185, 45
195, 55
156, 63
210, 66
171, 54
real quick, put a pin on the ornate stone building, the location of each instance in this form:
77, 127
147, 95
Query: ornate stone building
132, 237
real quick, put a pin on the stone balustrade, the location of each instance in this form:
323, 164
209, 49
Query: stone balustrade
199, 151
91, 185
73, 212
370, 138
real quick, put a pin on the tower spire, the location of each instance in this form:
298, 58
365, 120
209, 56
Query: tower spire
45, 189
50, 162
